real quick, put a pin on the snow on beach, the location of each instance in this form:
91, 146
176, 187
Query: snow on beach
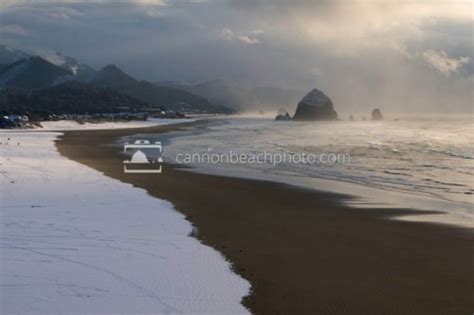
74, 125
76, 241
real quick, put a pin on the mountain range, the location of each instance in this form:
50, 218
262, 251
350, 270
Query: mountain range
157, 96
81, 72
240, 98
19, 69
33, 73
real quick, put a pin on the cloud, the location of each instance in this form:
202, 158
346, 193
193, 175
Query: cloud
316, 71
64, 13
250, 39
151, 2
13, 29
52, 56
22, 3
227, 34
368, 53
444, 64
154, 12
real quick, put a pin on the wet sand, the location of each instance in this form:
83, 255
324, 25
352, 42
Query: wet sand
303, 251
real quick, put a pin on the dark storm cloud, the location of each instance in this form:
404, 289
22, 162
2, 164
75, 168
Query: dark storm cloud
399, 56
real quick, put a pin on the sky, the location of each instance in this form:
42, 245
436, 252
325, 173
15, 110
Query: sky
400, 56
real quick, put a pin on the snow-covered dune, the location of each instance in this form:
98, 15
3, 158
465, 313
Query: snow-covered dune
75, 241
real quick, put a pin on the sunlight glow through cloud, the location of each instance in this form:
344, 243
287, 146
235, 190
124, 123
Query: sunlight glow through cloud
340, 46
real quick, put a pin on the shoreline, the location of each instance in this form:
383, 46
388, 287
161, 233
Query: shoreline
454, 211
303, 250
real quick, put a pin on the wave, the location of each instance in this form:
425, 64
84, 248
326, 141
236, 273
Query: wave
421, 157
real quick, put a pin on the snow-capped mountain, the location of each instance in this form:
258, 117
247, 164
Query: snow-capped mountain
82, 72
10, 55
52, 68
33, 73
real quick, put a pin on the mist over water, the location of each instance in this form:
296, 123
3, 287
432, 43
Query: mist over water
429, 156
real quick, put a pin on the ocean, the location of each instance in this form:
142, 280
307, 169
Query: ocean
425, 163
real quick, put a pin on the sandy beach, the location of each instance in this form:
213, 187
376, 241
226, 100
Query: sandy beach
303, 251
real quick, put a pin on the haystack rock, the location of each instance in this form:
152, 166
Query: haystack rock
377, 114
315, 106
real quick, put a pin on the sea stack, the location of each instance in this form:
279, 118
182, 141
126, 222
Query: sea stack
315, 106
285, 116
377, 114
